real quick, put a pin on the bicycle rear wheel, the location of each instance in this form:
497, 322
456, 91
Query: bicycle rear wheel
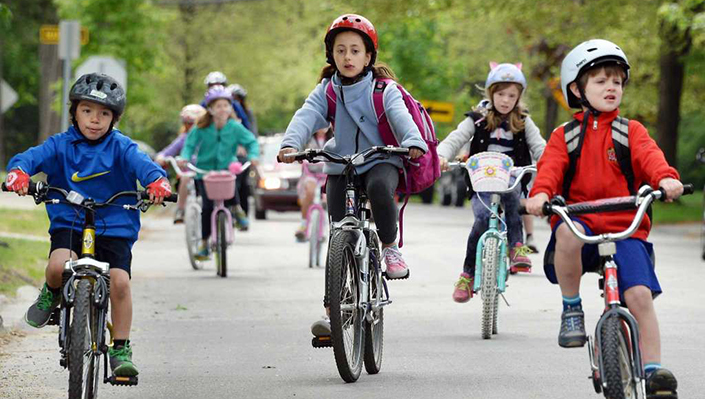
193, 233
83, 363
374, 330
221, 244
489, 285
347, 330
314, 250
617, 361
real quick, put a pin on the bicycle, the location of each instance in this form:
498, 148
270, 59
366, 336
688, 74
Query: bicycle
220, 186
355, 283
490, 172
192, 214
83, 309
700, 157
315, 220
615, 352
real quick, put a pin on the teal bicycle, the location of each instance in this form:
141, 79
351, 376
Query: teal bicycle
491, 172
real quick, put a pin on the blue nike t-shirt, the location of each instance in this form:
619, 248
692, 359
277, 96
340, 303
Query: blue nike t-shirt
94, 170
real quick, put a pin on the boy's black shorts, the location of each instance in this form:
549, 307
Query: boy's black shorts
114, 250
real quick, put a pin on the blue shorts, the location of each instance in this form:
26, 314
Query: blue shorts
114, 250
634, 258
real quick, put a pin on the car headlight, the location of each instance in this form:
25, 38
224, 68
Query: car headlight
272, 183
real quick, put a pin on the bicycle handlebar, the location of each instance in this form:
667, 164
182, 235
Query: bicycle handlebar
194, 169
355, 159
40, 188
523, 171
640, 202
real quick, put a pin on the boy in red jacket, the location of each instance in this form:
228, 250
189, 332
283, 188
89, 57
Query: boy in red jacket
593, 76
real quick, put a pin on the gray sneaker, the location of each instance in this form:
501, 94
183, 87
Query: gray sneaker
572, 333
321, 328
39, 313
121, 361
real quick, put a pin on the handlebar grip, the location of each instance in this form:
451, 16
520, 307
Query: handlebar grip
144, 195
688, 189
547, 209
32, 187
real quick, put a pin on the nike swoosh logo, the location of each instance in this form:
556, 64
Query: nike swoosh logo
76, 178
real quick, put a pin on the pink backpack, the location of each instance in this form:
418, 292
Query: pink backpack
418, 174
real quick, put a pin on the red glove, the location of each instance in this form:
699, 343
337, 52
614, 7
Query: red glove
159, 189
17, 181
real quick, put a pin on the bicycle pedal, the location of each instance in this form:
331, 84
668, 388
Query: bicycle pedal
408, 273
54, 318
322, 342
124, 381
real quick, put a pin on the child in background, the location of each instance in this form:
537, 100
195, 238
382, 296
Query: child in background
593, 76
216, 137
500, 124
307, 184
189, 115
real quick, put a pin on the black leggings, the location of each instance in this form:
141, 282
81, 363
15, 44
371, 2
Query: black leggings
208, 206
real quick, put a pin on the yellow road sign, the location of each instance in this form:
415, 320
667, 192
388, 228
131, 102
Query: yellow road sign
49, 34
439, 111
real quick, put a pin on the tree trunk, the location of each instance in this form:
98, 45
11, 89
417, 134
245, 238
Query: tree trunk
2, 131
49, 120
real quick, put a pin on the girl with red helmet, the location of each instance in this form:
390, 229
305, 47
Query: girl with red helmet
351, 52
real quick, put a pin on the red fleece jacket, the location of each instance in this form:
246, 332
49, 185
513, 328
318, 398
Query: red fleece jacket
597, 173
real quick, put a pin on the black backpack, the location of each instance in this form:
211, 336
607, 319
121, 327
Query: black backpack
575, 135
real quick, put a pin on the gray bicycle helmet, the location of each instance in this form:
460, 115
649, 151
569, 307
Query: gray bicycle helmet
585, 56
505, 73
237, 90
102, 89
215, 78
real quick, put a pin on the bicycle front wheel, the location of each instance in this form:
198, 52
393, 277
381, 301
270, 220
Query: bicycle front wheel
221, 246
346, 321
193, 233
84, 364
374, 330
314, 253
617, 361
489, 286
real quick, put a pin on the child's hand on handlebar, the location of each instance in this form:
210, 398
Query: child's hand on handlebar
673, 188
284, 151
443, 163
17, 181
534, 205
158, 190
415, 152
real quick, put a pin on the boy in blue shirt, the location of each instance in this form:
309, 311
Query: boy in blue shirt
96, 161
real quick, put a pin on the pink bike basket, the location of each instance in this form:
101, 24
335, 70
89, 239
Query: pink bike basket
219, 185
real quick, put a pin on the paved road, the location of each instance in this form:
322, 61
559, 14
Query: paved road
196, 335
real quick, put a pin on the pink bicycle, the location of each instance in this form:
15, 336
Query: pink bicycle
315, 219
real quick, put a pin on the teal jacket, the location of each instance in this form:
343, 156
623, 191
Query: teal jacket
215, 149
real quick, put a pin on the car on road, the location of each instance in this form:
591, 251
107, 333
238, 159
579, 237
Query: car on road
274, 183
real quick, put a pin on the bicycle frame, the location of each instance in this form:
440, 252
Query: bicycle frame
317, 204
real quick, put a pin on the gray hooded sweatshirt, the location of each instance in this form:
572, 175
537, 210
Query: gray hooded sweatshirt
355, 121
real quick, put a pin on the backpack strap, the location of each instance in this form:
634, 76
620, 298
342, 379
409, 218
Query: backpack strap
332, 99
574, 137
620, 139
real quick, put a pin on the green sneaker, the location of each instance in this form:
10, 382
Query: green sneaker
39, 313
121, 361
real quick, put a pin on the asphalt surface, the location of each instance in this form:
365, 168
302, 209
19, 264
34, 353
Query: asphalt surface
198, 335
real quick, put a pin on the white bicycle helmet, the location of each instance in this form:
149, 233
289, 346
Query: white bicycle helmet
585, 56
505, 73
215, 78
237, 90
191, 113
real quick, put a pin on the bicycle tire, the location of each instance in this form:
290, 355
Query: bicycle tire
495, 314
79, 341
314, 246
489, 285
192, 222
347, 330
374, 330
222, 244
97, 337
617, 375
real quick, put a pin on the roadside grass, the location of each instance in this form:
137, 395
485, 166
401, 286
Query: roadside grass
33, 222
22, 262
688, 208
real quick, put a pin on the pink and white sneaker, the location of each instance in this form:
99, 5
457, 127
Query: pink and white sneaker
396, 267
519, 259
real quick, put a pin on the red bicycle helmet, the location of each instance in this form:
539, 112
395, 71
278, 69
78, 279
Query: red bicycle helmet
356, 23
